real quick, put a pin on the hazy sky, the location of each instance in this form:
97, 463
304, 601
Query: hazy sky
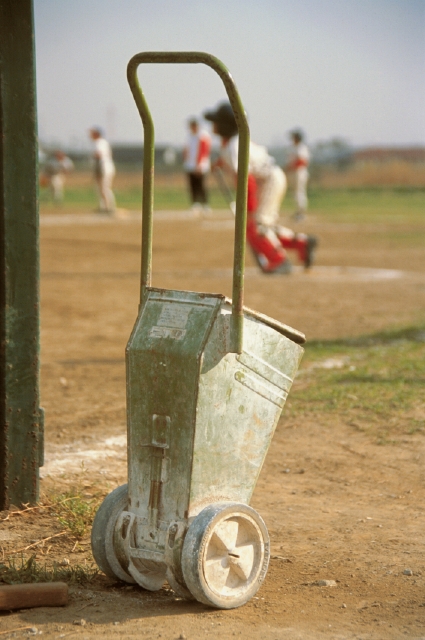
348, 68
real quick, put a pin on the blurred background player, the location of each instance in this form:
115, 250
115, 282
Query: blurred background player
197, 165
266, 188
298, 163
55, 168
104, 170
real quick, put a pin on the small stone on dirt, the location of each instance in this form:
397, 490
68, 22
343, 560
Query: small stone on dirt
80, 623
278, 558
324, 583
408, 572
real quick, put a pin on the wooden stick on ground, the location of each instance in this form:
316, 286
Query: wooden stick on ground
27, 596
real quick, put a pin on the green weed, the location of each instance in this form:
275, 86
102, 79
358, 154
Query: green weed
29, 570
75, 512
375, 383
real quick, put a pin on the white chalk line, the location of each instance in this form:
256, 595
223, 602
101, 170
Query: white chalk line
60, 459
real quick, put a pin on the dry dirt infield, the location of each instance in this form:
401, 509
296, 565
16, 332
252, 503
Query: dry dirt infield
337, 506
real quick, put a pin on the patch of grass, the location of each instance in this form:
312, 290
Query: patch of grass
75, 512
359, 205
130, 197
414, 238
29, 570
369, 205
414, 334
376, 383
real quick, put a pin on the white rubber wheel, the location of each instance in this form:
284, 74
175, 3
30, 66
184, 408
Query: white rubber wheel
179, 589
103, 532
225, 555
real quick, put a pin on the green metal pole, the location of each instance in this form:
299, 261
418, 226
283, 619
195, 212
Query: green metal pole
148, 177
21, 426
196, 57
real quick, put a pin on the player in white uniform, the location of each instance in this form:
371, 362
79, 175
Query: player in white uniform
104, 170
266, 189
298, 163
197, 165
55, 169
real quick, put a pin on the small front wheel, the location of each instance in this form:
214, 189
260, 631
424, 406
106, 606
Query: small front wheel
225, 555
102, 534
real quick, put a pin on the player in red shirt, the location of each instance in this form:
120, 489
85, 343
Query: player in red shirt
197, 165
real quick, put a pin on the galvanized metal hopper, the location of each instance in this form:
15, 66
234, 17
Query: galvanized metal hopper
207, 379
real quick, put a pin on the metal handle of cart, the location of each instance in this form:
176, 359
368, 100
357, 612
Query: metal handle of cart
194, 57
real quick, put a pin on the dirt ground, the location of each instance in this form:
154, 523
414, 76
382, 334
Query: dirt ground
338, 507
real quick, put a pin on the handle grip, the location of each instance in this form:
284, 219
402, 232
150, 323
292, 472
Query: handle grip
196, 57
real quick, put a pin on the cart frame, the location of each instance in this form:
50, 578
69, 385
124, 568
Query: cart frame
194, 57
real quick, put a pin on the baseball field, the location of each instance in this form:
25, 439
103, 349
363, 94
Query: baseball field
342, 488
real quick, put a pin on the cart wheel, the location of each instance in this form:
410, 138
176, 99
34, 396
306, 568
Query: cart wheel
225, 555
149, 574
102, 534
180, 590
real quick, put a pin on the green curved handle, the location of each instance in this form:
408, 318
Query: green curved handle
196, 57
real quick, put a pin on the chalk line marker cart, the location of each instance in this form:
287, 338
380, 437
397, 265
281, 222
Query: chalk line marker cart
207, 379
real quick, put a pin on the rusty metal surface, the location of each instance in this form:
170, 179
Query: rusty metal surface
163, 366
21, 428
200, 418
240, 400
